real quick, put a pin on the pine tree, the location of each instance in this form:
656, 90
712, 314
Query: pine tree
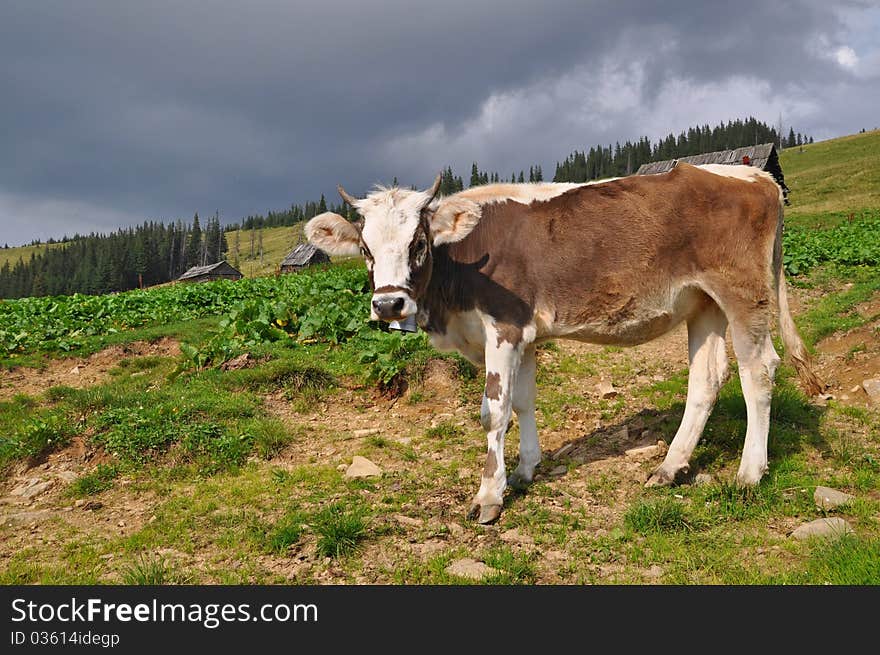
475, 175
194, 246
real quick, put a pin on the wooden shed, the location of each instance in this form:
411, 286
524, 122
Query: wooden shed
219, 271
305, 254
762, 156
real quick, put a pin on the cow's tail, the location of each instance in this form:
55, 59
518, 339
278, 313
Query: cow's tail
795, 351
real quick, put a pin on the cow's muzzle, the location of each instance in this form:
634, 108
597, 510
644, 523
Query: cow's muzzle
392, 307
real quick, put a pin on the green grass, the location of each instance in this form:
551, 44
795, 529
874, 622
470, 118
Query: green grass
837, 175
340, 529
151, 570
99, 480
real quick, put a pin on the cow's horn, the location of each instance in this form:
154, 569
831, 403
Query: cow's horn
347, 198
434, 188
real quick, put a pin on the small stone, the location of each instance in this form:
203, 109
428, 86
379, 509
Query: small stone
361, 467
703, 478
622, 434
455, 529
93, 505
643, 452
342, 467
856, 389
367, 432
872, 388
607, 390
79, 502
514, 536
828, 527
470, 569
408, 520
75, 370
562, 452
121, 524
827, 498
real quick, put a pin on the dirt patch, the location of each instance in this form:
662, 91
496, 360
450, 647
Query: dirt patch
80, 372
846, 360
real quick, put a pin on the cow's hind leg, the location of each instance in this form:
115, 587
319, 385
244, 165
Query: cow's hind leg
524, 405
707, 356
502, 364
757, 368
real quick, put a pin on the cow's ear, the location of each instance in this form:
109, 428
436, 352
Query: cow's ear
333, 234
453, 220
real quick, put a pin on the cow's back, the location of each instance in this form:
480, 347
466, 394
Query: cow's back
613, 251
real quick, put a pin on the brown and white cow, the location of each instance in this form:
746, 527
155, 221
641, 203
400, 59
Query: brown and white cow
492, 271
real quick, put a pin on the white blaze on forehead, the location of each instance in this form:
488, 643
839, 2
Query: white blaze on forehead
391, 217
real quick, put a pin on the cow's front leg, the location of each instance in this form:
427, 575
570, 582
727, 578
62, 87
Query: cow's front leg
502, 363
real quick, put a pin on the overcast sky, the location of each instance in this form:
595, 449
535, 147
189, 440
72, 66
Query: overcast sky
115, 112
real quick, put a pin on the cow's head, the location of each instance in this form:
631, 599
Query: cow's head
396, 234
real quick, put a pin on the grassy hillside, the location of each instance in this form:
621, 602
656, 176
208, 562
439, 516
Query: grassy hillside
277, 242
12, 255
838, 175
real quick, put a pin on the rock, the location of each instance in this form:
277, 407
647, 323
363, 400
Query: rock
361, 467
514, 536
856, 389
92, 506
367, 432
703, 478
562, 452
407, 520
558, 471
830, 527
622, 434
470, 569
31, 488
872, 388
74, 370
25, 518
342, 467
66, 476
455, 529
646, 452
827, 498
79, 502
607, 390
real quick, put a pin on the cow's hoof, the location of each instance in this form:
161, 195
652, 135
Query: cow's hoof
749, 478
665, 477
484, 514
518, 482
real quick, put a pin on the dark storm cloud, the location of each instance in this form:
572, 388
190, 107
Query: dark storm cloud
119, 112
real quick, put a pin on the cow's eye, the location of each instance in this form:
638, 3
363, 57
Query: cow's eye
421, 246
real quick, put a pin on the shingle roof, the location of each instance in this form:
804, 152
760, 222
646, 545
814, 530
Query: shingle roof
220, 267
758, 156
303, 255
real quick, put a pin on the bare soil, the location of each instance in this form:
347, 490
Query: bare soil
79, 372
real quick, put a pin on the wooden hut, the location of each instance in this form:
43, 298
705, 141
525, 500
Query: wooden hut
219, 271
763, 156
305, 254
